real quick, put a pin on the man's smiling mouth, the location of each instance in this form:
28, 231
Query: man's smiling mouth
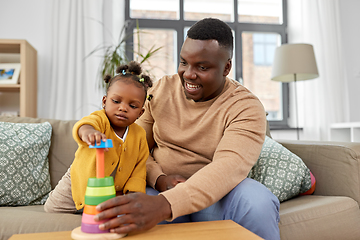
191, 87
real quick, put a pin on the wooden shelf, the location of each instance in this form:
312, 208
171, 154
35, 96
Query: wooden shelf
345, 132
3, 87
27, 88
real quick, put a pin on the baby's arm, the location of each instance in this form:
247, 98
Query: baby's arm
88, 134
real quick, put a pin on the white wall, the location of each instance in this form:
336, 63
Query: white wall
350, 19
30, 20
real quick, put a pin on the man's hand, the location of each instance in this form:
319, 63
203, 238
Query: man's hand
137, 211
164, 183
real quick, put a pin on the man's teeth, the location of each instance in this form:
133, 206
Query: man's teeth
191, 86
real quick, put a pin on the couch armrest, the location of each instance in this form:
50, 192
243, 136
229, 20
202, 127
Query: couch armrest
335, 165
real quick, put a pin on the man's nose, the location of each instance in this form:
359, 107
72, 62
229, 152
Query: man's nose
189, 73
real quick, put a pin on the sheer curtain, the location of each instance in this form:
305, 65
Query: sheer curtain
76, 31
323, 100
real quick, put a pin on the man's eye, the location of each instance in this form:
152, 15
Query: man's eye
183, 63
203, 68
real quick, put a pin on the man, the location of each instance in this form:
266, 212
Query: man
205, 132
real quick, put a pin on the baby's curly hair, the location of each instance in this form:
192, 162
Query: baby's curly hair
130, 72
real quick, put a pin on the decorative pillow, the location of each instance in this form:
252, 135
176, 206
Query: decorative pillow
24, 166
282, 172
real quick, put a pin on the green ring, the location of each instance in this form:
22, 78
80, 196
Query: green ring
96, 200
101, 182
100, 191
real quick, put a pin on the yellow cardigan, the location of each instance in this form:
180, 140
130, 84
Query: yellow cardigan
132, 154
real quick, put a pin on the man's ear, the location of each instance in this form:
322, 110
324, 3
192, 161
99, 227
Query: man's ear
227, 67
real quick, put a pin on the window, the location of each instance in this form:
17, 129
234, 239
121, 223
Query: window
259, 26
264, 45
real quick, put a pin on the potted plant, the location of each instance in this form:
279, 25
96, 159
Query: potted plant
115, 54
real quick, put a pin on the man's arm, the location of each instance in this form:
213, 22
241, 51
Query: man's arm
155, 177
236, 153
153, 170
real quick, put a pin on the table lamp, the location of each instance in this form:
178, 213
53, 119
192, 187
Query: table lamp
292, 63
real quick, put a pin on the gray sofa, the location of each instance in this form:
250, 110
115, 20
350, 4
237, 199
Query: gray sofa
332, 212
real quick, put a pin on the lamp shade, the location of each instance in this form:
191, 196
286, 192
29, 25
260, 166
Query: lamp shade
291, 59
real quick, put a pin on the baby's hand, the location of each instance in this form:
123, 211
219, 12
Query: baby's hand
89, 135
94, 137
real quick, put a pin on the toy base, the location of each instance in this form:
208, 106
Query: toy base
79, 235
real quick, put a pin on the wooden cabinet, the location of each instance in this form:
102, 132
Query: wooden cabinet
21, 97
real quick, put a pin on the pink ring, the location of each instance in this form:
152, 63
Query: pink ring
89, 219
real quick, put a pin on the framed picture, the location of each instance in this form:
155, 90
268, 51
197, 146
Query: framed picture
9, 73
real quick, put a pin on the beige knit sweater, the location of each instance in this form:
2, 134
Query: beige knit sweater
213, 144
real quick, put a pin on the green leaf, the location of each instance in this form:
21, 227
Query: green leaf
115, 54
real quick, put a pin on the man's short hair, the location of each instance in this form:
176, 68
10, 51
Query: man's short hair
212, 29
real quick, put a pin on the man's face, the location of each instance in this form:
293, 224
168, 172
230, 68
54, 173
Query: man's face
203, 68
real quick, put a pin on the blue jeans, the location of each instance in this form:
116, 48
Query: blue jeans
250, 204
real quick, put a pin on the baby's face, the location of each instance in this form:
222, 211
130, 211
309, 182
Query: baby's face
123, 104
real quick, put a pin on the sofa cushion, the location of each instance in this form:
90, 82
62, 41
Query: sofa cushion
63, 145
24, 166
281, 171
319, 217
